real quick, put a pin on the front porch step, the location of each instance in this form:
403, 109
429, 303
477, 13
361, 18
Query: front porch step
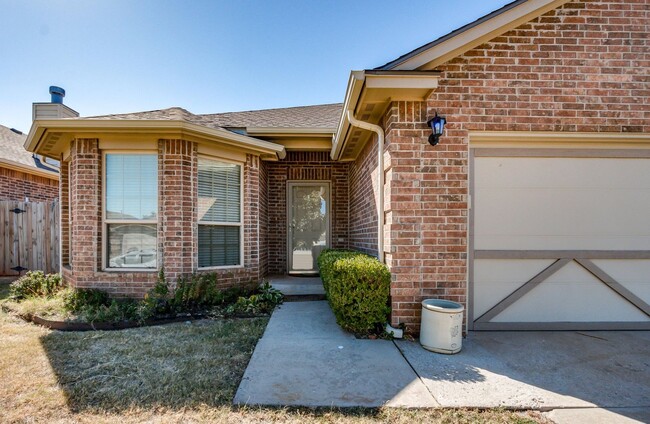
291, 285
305, 298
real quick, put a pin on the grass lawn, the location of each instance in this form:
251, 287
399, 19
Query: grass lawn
171, 373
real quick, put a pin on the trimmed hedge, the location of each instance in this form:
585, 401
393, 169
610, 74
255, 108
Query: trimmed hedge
357, 287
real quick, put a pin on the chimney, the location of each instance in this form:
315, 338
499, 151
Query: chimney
55, 109
57, 94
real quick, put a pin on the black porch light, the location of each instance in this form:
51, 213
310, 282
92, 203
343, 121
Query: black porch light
437, 124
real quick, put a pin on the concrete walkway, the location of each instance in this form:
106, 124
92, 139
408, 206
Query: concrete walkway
305, 359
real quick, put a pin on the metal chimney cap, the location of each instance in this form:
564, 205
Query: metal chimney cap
57, 94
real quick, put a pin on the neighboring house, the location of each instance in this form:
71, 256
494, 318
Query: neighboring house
532, 210
23, 175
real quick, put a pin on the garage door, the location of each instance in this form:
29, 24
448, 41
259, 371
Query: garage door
559, 241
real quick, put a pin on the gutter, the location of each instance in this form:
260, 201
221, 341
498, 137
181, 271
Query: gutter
380, 177
40, 127
17, 166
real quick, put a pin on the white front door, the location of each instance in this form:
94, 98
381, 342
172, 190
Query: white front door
308, 221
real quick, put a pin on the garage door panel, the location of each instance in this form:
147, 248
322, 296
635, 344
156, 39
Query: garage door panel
500, 277
598, 173
563, 298
633, 274
582, 208
518, 212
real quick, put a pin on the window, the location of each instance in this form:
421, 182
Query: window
131, 210
220, 225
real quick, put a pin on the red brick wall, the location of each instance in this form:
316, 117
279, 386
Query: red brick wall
177, 221
363, 200
16, 185
177, 207
64, 205
264, 219
582, 67
304, 166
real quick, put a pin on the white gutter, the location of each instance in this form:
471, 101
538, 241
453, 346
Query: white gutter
380, 177
82, 125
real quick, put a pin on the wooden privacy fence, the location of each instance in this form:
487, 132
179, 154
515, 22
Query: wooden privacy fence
29, 237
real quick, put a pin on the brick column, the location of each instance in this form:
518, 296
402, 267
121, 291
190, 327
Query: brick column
426, 215
252, 199
64, 212
85, 208
177, 207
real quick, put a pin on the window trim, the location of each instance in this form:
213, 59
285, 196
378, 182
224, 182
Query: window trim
240, 224
106, 222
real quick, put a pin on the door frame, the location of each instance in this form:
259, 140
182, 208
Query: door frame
328, 221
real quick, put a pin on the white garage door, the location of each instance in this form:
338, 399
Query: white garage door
560, 242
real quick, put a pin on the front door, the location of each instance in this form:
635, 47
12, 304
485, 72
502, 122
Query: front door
308, 220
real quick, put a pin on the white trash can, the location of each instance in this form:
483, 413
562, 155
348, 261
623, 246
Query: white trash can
442, 326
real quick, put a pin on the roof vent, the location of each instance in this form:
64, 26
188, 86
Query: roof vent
16, 131
57, 94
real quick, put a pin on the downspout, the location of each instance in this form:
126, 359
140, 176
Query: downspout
380, 178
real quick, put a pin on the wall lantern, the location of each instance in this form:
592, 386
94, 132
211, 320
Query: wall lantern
437, 124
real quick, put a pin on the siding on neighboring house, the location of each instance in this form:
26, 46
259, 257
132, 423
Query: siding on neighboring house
580, 68
305, 166
17, 185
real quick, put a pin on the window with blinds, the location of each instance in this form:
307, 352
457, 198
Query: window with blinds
219, 201
130, 210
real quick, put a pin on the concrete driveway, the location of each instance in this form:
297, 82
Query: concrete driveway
562, 371
305, 359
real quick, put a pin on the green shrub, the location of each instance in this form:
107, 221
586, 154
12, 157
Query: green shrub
262, 302
327, 258
75, 300
196, 291
357, 288
35, 284
116, 311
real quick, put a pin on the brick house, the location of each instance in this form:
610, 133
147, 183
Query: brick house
23, 175
532, 210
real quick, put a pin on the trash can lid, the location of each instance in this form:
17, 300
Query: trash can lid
441, 305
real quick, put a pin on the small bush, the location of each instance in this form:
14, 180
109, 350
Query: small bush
262, 302
327, 258
357, 288
116, 311
75, 300
35, 284
197, 291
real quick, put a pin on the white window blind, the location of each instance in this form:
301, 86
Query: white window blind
219, 198
219, 191
130, 210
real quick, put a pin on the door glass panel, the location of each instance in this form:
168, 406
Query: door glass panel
308, 222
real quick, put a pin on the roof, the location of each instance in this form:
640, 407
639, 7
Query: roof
12, 151
317, 116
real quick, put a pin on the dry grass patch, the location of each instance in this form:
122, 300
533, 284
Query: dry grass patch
179, 373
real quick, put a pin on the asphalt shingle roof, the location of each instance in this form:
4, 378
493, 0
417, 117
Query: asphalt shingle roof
11, 147
318, 116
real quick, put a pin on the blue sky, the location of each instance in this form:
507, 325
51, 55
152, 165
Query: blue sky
206, 56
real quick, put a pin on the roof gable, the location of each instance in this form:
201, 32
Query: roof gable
473, 34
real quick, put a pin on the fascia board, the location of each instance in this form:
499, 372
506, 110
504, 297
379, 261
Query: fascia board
39, 128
